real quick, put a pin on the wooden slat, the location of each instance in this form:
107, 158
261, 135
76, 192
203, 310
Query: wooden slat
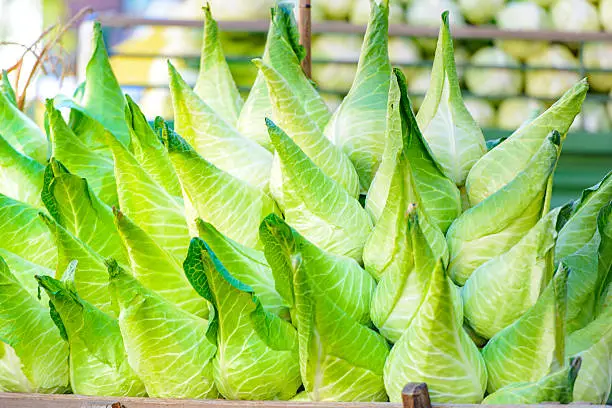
10, 400
306, 36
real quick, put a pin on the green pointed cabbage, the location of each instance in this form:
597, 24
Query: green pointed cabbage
502, 289
533, 345
234, 207
593, 344
157, 269
23, 233
33, 357
254, 346
215, 84
290, 115
340, 358
502, 164
359, 122
455, 139
214, 139
436, 350
21, 176
555, 387
98, 362
283, 53
581, 225
247, 265
73, 204
161, 338
496, 224
317, 206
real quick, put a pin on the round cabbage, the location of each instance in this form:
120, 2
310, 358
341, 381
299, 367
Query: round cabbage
493, 81
522, 16
360, 13
482, 111
334, 10
550, 83
593, 118
598, 56
335, 76
418, 85
156, 102
240, 10
480, 11
427, 14
513, 112
404, 51
574, 15
605, 14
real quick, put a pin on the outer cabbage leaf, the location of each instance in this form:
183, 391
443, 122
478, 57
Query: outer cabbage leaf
25, 271
214, 139
215, 84
149, 151
533, 345
580, 227
359, 122
454, 137
87, 157
317, 206
247, 265
234, 207
21, 177
157, 269
293, 118
91, 278
247, 364
435, 349
340, 279
593, 344
73, 204
148, 204
21, 132
502, 289
496, 224
555, 387
284, 54
7, 89
161, 338
98, 362
34, 353
502, 164
24, 234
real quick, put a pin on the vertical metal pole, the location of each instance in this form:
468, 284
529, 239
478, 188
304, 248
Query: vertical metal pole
306, 35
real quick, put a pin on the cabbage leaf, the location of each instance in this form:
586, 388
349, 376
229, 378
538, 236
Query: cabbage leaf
25, 271
21, 176
455, 139
161, 338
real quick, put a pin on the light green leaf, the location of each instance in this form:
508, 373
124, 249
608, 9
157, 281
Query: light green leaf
34, 354
21, 132
214, 139
7, 89
91, 278
245, 367
555, 387
315, 205
215, 84
75, 207
21, 177
24, 271
436, 350
454, 137
148, 204
284, 54
24, 234
157, 269
359, 122
502, 289
148, 149
533, 345
593, 344
292, 117
161, 338
87, 157
496, 224
581, 226
234, 207
502, 164
247, 265
98, 362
